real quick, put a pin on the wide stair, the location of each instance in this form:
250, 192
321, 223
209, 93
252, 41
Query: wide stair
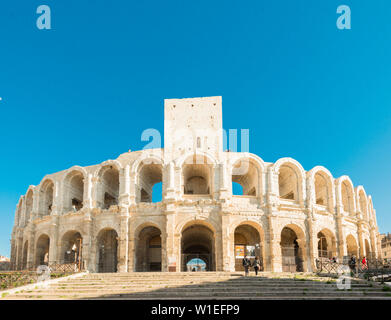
202, 285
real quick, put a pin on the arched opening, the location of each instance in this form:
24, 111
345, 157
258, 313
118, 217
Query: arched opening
247, 244
347, 198
107, 242
288, 183
198, 243
29, 206
42, 250
351, 246
149, 250
73, 191
197, 175
108, 187
149, 185
24, 257
245, 173
363, 205
327, 246
72, 248
291, 253
46, 198
321, 190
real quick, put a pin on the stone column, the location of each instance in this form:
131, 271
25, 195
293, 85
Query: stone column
173, 257
303, 248
131, 246
340, 236
311, 244
89, 245
54, 245
123, 242
31, 247
360, 240
228, 259
87, 196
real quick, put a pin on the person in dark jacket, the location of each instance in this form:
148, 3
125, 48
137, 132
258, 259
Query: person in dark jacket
246, 264
256, 265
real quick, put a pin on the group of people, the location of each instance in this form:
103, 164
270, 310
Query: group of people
256, 264
353, 262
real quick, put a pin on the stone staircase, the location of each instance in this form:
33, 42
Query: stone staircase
202, 285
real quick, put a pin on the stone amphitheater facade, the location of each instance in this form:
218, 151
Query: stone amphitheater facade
105, 216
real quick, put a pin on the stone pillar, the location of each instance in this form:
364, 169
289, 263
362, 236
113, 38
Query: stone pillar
303, 248
19, 250
54, 245
131, 246
89, 245
124, 200
273, 248
123, 243
360, 240
87, 196
173, 252
341, 249
228, 258
31, 247
312, 239
35, 208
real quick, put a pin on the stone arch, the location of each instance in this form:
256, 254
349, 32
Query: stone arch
249, 240
198, 242
345, 191
291, 182
148, 247
46, 197
107, 249
107, 187
29, 200
71, 247
321, 187
42, 250
351, 245
362, 202
326, 243
149, 172
293, 248
73, 189
197, 174
247, 171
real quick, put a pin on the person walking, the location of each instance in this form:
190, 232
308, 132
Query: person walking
246, 264
256, 265
364, 263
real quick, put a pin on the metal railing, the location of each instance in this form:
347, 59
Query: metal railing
373, 269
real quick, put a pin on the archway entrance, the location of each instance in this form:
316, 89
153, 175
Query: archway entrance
247, 243
291, 254
42, 251
107, 250
198, 243
149, 250
72, 248
351, 246
326, 244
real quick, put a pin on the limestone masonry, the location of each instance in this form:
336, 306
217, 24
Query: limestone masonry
103, 217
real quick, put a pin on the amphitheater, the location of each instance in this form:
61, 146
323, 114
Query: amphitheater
112, 217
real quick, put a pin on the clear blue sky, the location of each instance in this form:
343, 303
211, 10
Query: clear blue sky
84, 91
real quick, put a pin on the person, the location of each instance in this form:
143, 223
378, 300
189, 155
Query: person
256, 265
353, 263
364, 263
246, 264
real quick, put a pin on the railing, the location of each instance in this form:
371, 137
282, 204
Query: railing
373, 270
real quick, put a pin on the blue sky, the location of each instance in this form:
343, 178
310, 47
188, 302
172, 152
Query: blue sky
84, 91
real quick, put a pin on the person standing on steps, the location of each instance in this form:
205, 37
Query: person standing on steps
246, 264
256, 265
